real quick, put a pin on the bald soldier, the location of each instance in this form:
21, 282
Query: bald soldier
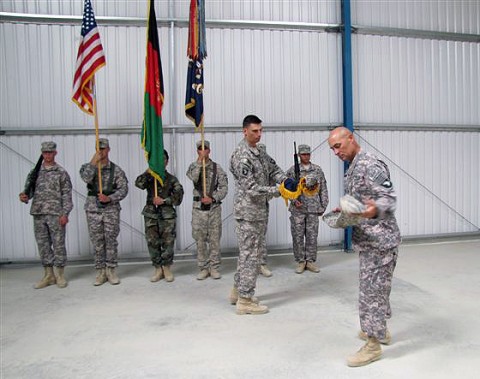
376, 240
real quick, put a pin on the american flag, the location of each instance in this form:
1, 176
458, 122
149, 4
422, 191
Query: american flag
90, 59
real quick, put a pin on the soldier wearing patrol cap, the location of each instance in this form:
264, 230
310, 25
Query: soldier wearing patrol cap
306, 210
252, 169
102, 209
49, 185
375, 238
207, 210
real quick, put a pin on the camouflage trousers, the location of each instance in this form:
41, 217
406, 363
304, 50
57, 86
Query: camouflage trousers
50, 237
104, 229
263, 246
207, 230
376, 273
249, 236
160, 235
304, 228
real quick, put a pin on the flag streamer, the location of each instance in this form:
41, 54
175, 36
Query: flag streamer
152, 128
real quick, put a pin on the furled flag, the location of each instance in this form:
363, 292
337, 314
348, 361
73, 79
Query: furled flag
90, 59
196, 51
152, 131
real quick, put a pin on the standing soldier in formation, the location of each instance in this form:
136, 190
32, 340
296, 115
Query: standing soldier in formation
376, 239
160, 220
102, 208
207, 210
49, 185
306, 210
252, 169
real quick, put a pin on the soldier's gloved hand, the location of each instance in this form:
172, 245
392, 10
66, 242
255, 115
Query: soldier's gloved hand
290, 184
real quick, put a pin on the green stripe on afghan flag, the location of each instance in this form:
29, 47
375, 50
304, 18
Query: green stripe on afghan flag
152, 129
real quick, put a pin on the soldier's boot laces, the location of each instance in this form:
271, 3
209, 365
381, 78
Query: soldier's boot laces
265, 271
300, 267
101, 277
157, 274
112, 276
168, 274
310, 266
369, 353
384, 341
60, 278
214, 273
247, 306
203, 274
47, 280
233, 297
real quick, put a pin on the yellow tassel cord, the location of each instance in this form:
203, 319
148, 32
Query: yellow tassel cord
291, 195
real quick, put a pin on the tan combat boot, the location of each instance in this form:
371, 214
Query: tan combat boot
203, 274
61, 281
47, 280
300, 267
385, 341
157, 275
310, 266
233, 297
214, 273
101, 277
168, 274
246, 306
112, 276
369, 353
265, 271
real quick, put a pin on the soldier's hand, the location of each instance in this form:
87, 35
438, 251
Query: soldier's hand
97, 157
206, 200
336, 210
297, 203
63, 220
103, 198
370, 210
23, 198
158, 200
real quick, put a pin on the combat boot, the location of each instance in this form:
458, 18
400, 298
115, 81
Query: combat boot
369, 353
168, 274
310, 266
246, 306
47, 280
265, 271
300, 267
101, 277
60, 279
384, 341
157, 275
214, 273
112, 276
233, 297
203, 274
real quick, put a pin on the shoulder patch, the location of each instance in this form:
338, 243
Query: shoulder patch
245, 167
387, 184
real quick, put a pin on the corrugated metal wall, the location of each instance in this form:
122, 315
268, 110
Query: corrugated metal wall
290, 78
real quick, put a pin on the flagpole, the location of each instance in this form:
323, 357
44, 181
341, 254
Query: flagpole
97, 139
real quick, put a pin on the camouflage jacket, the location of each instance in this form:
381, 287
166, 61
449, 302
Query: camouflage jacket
53, 191
369, 178
253, 170
311, 204
115, 187
220, 187
171, 192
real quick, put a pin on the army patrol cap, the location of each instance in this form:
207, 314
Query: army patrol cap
206, 144
103, 143
48, 146
304, 149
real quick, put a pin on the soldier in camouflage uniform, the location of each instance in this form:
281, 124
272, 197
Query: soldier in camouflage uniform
207, 210
376, 240
103, 211
51, 190
160, 220
305, 212
252, 170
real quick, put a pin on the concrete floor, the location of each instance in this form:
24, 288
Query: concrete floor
187, 329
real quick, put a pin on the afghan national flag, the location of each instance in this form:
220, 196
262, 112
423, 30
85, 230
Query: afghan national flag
196, 52
152, 131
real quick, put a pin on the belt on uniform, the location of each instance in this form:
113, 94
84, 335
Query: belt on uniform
197, 198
